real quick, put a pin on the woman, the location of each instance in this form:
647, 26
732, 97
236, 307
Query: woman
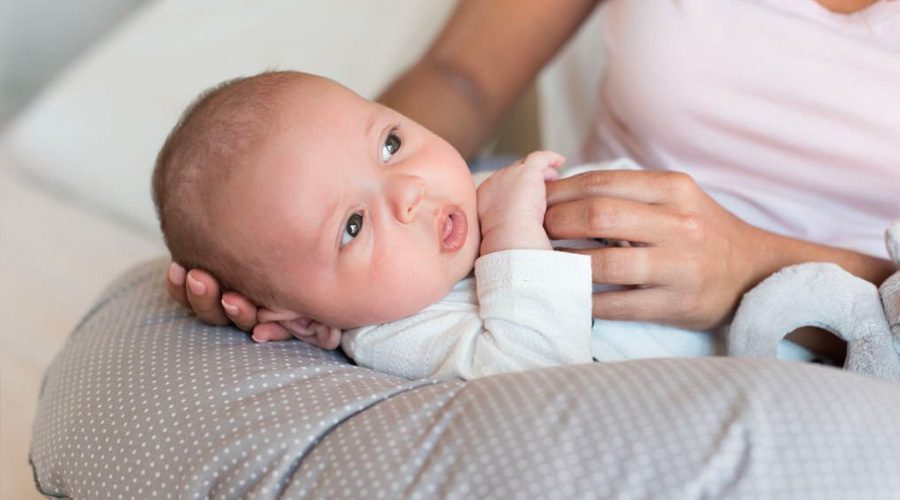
785, 113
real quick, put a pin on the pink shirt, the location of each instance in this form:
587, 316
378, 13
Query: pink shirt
788, 114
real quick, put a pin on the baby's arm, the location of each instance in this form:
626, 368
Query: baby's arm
512, 203
533, 309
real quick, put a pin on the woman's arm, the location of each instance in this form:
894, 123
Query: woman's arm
485, 57
699, 259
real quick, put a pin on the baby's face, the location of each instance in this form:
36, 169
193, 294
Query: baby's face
372, 216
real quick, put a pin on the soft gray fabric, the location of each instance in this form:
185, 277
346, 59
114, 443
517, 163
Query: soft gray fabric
826, 296
821, 295
890, 289
892, 240
146, 402
890, 297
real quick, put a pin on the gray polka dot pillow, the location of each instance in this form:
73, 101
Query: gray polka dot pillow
146, 402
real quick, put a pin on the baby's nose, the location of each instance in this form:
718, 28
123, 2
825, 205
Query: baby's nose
405, 193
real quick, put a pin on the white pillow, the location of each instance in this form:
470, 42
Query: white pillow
96, 130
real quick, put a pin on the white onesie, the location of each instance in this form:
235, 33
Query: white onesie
522, 309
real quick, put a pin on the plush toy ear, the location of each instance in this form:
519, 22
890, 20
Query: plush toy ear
890, 297
822, 295
890, 289
892, 239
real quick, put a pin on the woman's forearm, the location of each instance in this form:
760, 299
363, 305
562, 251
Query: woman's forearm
484, 59
781, 251
444, 102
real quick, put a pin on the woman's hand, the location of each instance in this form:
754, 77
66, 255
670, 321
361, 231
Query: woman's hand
696, 259
199, 291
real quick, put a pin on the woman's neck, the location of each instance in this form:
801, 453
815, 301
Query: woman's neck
845, 6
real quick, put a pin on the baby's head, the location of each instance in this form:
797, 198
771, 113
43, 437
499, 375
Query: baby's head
315, 202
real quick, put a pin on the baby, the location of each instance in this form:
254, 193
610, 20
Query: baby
336, 212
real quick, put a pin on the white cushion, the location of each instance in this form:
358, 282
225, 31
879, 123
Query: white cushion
94, 133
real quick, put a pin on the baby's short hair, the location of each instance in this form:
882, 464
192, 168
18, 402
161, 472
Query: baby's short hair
212, 140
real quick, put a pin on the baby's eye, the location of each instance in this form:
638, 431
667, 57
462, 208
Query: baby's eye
352, 229
391, 146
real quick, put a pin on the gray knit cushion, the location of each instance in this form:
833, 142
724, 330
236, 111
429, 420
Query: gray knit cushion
146, 402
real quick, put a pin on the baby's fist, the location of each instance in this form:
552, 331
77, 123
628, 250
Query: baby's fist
512, 203
519, 188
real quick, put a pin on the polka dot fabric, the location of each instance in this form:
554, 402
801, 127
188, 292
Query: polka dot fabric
146, 402
665, 428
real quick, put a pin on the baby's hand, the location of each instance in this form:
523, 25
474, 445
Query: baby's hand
512, 203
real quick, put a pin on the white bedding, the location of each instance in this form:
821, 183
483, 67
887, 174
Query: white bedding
55, 258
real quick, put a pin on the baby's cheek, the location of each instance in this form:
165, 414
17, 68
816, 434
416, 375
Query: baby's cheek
400, 305
402, 293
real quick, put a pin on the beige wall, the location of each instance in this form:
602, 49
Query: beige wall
38, 38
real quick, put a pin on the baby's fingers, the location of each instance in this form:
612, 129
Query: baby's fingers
545, 158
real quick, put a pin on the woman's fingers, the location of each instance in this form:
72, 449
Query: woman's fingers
646, 304
175, 277
614, 218
700, 258
655, 304
204, 298
625, 265
199, 292
645, 186
239, 310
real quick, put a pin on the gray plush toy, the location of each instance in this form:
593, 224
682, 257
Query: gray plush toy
825, 296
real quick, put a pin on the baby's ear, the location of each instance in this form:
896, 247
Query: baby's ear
265, 315
296, 323
302, 327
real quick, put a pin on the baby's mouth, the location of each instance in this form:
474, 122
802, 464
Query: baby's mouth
454, 230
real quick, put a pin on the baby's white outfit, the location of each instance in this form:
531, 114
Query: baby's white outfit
522, 309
